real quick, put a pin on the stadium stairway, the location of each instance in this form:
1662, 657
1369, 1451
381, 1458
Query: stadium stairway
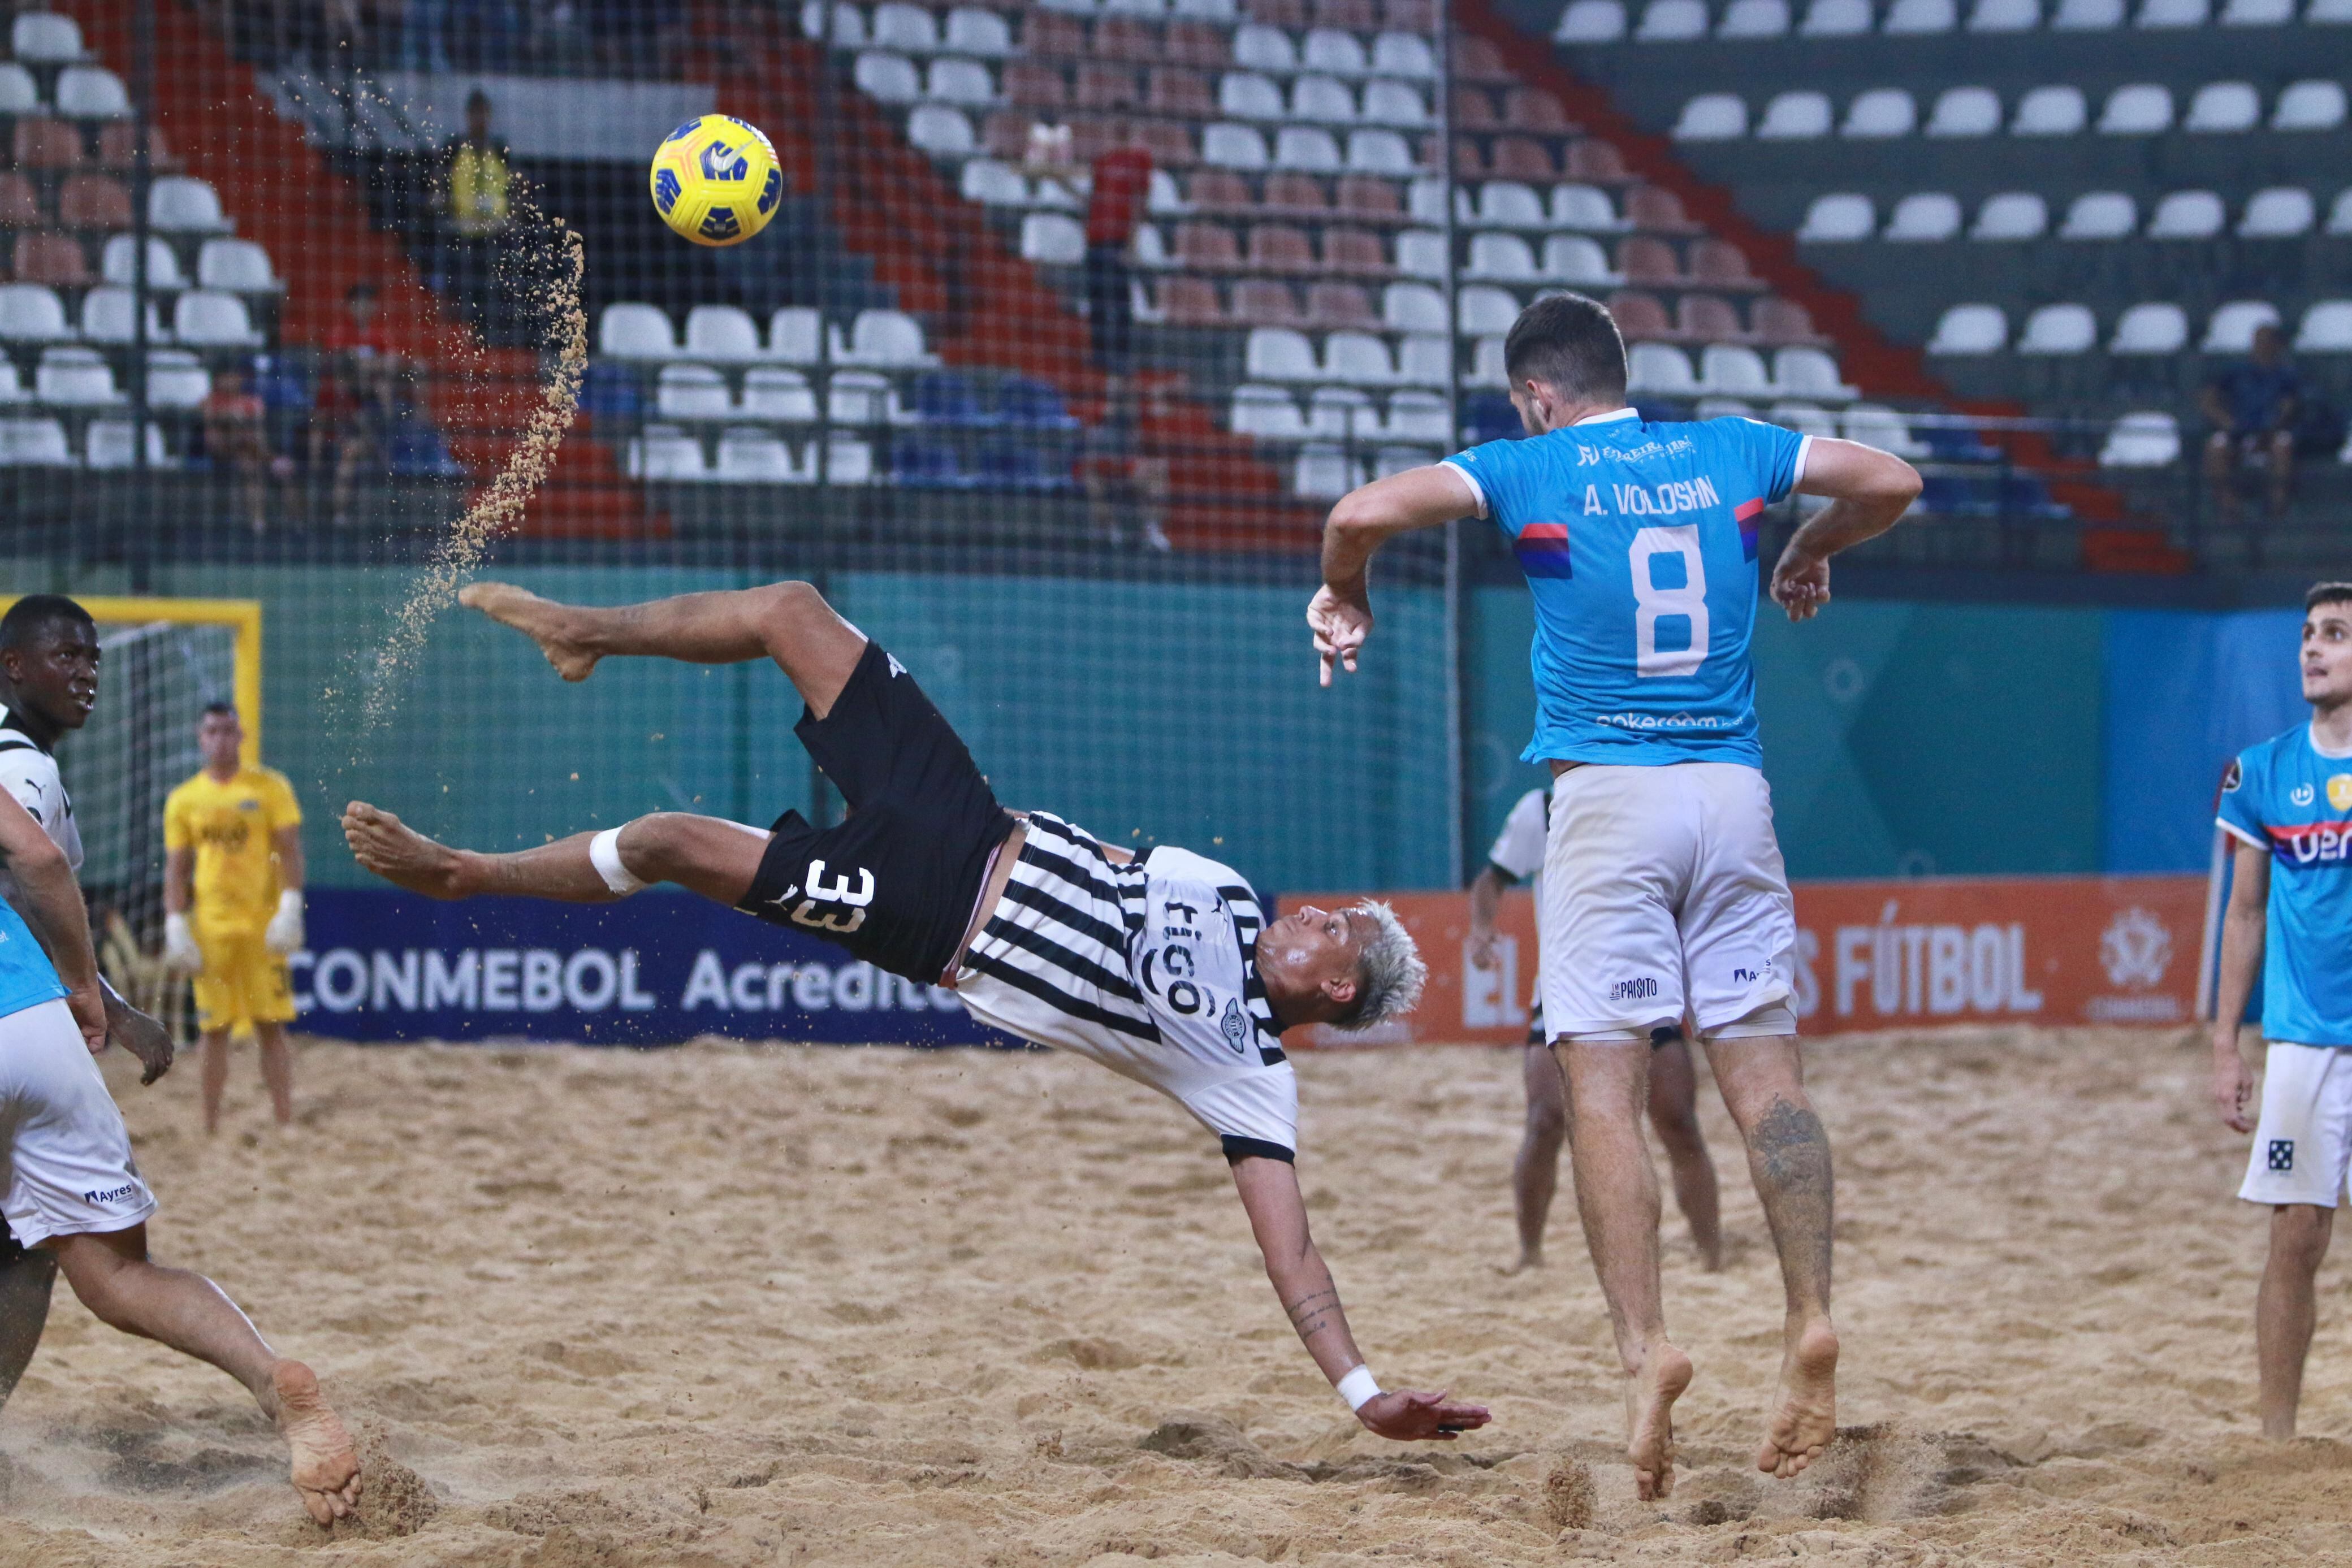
2113, 540
985, 305
281, 192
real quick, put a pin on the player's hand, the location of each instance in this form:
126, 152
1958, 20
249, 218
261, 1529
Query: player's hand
141, 1036
284, 933
1409, 1416
1340, 626
1481, 949
2233, 1082
88, 1010
1800, 584
181, 953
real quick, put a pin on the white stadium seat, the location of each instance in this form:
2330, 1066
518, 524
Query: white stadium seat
32, 313
75, 378
2100, 214
1419, 416
1269, 413
1712, 117
1838, 218
629, 331
2049, 111
1754, 19
1423, 360
207, 319
940, 131
1393, 460
2142, 440
1334, 50
1734, 369
1486, 363
1836, 19
2327, 13
995, 185
176, 380
970, 31
848, 23
1249, 95
890, 339
1587, 208
773, 392
1262, 49
1510, 204
2231, 328
663, 454
106, 316
1660, 369
1395, 103
91, 92
1971, 329
2005, 16
19, 94
1590, 22
2087, 16
966, 82
2283, 212
2158, 327
1053, 239
1486, 308
2162, 13
1925, 217
1151, 8
1404, 54
861, 397
1580, 262
2309, 106
1810, 373
1379, 153
2257, 12
1279, 354
1359, 358
793, 335
2143, 109
692, 393
891, 78
34, 444
1881, 112
848, 460
1345, 412
1919, 17
1420, 253
1794, 117
1965, 111
2188, 214
2339, 216
2221, 108
1323, 473
722, 333
1723, 408
896, 24
1312, 149
179, 204
1225, 145
1875, 425
1805, 419
44, 36
751, 456
238, 265
2011, 215
1672, 21
2059, 330
2327, 328
1412, 307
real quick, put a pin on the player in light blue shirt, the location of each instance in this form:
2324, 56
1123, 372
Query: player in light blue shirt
1663, 890
2288, 802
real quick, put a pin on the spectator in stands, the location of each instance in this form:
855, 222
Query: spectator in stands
1118, 181
2254, 407
475, 183
358, 398
234, 440
1126, 481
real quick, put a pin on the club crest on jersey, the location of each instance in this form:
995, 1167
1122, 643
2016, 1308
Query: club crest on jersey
2339, 791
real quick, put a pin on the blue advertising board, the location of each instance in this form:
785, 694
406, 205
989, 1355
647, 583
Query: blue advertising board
655, 969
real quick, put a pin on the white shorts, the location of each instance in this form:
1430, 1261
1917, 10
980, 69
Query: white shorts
1664, 892
2303, 1144
70, 1165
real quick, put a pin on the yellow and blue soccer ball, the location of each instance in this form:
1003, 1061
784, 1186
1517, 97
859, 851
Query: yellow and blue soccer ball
715, 180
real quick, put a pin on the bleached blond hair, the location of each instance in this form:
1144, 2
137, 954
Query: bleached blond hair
1393, 973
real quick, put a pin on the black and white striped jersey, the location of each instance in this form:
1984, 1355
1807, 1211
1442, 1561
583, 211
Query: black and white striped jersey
29, 772
1148, 968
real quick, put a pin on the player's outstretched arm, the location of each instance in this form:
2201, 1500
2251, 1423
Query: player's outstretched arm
1868, 490
2244, 927
50, 901
1269, 1190
1342, 610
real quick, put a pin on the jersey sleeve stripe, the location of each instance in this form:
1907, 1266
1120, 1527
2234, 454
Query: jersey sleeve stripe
1477, 491
2238, 834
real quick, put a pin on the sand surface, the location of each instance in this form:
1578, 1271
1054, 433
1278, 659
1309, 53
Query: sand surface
727, 1305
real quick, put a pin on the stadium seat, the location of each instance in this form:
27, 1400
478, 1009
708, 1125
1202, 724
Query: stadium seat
34, 444
1355, 253
939, 130
1783, 323
93, 202
176, 380
107, 318
966, 82
1510, 204
1407, 55
1919, 17
1660, 369
2146, 440
692, 393
2257, 12
1794, 117
177, 203
12, 388
2158, 327
1247, 95
1503, 256
1389, 461
2309, 106
1324, 100
889, 339
1420, 253
2188, 214
2086, 16
1053, 239
52, 259
1412, 307
1586, 207
1262, 49
1922, 217
628, 330
1838, 219
896, 24
2327, 13
1334, 50
2231, 328
1965, 111
1424, 360
2143, 109
891, 78
1810, 373
1754, 19
1345, 412
2059, 330
662, 453
91, 92
1734, 369
1804, 418
1269, 413
44, 143
1590, 22
972, 30
2049, 111
1279, 354
32, 313
208, 319
848, 24
44, 36
2283, 212
752, 456
1323, 473
1712, 117
238, 265
791, 335
1225, 145
110, 444
993, 184
1486, 368
1836, 19
774, 393
1418, 416
2163, 13
1875, 425
2327, 328
1971, 329
1639, 315
1484, 309
2011, 215
18, 92
862, 397
1671, 22
2100, 214
1357, 359
1395, 103
75, 378
2005, 16
2221, 108
1723, 408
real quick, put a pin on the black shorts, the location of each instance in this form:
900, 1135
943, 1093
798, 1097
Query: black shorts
895, 882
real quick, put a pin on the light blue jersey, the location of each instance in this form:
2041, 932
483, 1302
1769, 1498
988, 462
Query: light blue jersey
2289, 798
26, 977
1639, 544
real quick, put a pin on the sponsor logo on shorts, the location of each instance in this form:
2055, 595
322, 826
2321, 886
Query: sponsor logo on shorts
2282, 1153
113, 1195
1634, 990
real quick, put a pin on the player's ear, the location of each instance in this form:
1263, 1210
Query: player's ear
1341, 988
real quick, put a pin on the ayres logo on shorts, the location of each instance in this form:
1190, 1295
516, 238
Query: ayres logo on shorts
112, 1194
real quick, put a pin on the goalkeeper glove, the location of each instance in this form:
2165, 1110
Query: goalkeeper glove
180, 950
283, 935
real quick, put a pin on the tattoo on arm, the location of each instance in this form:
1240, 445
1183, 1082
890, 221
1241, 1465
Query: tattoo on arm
1309, 1315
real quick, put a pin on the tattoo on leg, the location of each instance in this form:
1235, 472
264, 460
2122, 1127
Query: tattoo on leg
1790, 1155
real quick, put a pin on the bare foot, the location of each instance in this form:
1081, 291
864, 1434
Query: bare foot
540, 620
1528, 1262
326, 1467
1806, 1423
1650, 1396
401, 855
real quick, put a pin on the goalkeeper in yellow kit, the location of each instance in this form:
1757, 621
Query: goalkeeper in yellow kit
233, 904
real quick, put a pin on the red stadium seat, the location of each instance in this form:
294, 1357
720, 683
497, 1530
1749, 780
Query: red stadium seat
1652, 210
1474, 110
1031, 85
1596, 163
1206, 247
1127, 38
1704, 319
1721, 264
20, 204
118, 149
1005, 135
1288, 14
1196, 43
1782, 322
1280, 247
1170, 145
1409, 16
1191, 302
1640, 316
1299, 194
1051, 36
1476, 59
1104, 86
1368, 196
48, 144
1348, 16
93, 202
1341, 306
1469, 162
1180, 93
1263, 302
1355, 253
1649, 261
1534, 110
1219, 191
52, 259
1523, 158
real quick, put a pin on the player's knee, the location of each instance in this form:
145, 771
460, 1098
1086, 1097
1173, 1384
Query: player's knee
652, 848
2299, 1235
791, 602
1547, 1123
1678, 1128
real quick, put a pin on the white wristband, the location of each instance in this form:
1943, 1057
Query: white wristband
1358, 1387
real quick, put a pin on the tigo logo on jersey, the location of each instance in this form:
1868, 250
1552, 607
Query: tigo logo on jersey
1542, 550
